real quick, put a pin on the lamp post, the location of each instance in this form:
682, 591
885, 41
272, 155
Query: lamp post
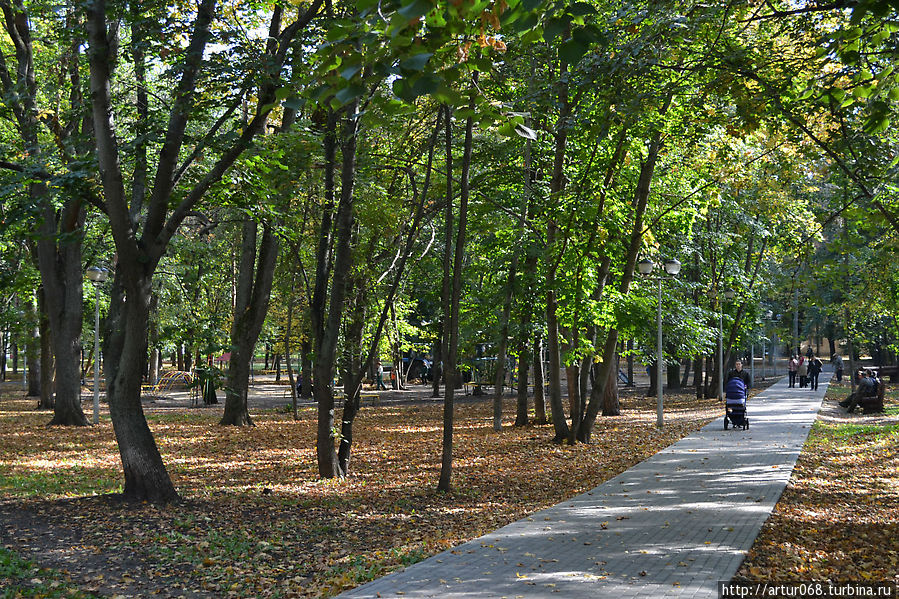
97, 275
672, 267
766, 319
728, 295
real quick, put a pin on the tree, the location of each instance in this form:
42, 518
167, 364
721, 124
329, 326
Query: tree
143, 230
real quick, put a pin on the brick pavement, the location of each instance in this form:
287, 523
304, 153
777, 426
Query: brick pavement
671, 526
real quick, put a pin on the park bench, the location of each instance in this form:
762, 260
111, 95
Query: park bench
870, 403
884, 371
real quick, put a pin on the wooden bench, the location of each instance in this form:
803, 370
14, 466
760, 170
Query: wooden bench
869, 403
884, 371
372, 396
873, 404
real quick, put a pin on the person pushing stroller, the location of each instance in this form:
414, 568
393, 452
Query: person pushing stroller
735, 391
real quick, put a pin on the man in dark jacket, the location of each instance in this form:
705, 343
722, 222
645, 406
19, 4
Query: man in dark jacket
739, 373
814, 369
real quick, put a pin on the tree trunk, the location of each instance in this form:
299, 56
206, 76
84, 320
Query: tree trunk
521, 403
452, 330
673, 372
653, 379
146, 478
48, 367
599, 397
326, 324
685, 379
254, 288
352, 369
306, 369
61, 277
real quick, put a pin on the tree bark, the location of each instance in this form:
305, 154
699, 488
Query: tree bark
326, 325
146, 478
254, 288
352, 368
33, 353
48, 364
306, 369
452, 330
557, 184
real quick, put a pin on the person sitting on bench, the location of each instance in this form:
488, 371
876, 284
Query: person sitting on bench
868, 385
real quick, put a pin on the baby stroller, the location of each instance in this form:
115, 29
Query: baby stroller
735, 404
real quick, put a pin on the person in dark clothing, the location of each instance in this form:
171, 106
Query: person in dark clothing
837, 361
867, 386
814, 369
740, 373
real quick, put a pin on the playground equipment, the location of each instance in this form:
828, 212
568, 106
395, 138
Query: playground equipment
171, 380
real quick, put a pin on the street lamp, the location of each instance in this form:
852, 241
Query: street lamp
728, 295
672, 267
768, 316
97, 275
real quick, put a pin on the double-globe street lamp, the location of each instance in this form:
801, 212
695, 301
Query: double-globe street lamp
728, 294
97, 275
645, 267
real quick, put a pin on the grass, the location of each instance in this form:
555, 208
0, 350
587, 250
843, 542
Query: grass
20, 578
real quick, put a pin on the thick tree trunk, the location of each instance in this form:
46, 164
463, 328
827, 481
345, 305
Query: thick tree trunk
146, 478
653, 380
61, 277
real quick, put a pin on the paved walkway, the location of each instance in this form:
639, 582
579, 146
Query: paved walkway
671, 526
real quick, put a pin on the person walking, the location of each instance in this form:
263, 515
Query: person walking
381, 385
739, 373
814, 369
837, 361
802, 372
793, 367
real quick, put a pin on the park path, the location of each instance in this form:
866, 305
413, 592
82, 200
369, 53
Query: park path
671, 526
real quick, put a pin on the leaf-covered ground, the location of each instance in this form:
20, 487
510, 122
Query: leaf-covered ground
838, 519
257, 522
